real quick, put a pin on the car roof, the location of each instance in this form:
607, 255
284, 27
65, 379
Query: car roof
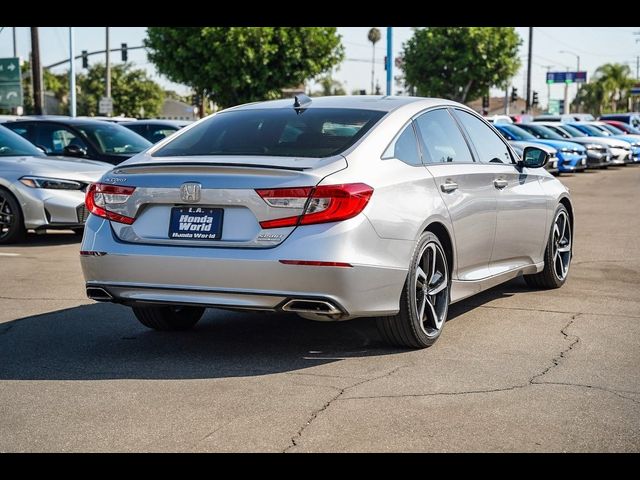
159, 121
61, 119
385, 103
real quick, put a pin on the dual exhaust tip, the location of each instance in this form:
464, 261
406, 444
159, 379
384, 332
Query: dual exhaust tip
319, 307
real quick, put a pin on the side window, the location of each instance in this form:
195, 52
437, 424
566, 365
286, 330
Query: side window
441, 139
490, 147
404, 148
55, 137
159, 133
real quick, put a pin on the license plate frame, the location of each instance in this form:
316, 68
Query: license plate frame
206, 221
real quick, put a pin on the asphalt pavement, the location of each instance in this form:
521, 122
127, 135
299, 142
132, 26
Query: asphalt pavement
514, 370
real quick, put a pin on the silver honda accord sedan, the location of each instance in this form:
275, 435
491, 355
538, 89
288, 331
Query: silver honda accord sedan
333, 208
40, 192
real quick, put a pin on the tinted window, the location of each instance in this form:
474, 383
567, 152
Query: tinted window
23, 129
404, 148
441, 139
567, 131
113, 138
613, 130
490, 147
159, 133
314, 132
13, 144
139, 129
589, 130
511, 132
53, 138
540, 131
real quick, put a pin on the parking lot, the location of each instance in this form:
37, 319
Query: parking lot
515, 369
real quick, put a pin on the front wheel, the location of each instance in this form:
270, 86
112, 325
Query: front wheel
168, 318
557, 255
424, 302
11, 223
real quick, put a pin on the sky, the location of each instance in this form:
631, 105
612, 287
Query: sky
594, 45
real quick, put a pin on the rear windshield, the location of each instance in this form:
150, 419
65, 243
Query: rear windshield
314, 132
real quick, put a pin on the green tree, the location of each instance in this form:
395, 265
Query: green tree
134, 94
460, 63
329, 86
56, 83
233, 65
608, 92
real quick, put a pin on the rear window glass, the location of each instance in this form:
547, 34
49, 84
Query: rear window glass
319, 132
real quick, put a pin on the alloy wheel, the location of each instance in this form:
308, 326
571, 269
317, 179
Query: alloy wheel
561, 245
432, 289
7, 217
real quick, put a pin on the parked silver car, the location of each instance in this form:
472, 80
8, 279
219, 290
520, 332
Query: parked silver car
334, 208
41, 192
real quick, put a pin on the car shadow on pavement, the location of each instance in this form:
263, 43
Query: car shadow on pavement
104, 341
46, 239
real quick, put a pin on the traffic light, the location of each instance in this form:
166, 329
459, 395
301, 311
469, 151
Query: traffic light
85, 59
485, 101
514, 94
534, 100
124, 52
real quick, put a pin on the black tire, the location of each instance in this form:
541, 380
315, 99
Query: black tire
13, 230
168, 318
549, 278
406, 329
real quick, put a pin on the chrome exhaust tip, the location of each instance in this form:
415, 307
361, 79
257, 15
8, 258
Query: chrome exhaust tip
99, 294
321, 307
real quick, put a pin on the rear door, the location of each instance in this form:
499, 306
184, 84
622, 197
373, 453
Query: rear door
521, 202
466, 189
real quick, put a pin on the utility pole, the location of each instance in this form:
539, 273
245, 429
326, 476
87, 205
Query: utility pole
637, 68
72, 75
506, 99
566, 90
36, 69
389, 60
566, 97
15, 48
528, 99
108, 69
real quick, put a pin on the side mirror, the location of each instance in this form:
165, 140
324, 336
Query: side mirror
533, 157
74, 151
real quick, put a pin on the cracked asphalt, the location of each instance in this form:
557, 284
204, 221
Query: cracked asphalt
515, 370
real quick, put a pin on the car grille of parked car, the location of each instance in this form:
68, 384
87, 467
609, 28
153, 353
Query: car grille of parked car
82, 213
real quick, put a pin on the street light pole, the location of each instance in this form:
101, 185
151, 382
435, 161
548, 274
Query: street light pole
548, 67
15, 48
108, 68
566, 84
72, 75
389, 60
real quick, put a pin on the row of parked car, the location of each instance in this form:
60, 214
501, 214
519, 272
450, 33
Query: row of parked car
47, 163
577, 142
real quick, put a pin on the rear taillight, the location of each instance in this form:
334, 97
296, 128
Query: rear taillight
103, 199
326, 203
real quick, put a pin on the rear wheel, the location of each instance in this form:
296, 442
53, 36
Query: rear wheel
170, 317
557, 255
11, 222
424, 302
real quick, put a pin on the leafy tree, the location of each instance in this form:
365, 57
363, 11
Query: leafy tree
233, 65
134, 94
57, 83
608, 92
460, 63
329, 86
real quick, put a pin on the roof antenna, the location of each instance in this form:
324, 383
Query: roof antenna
300, 103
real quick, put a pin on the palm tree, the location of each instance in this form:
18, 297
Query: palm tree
616, 81
374, 37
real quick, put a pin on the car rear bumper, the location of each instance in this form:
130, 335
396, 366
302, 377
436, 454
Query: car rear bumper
252, 279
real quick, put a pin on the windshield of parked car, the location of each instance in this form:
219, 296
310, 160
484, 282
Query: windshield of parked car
114, 138
592, 131
628, 129
540, 131
12, 144
314, 132
611, 129
516, 133
574, 132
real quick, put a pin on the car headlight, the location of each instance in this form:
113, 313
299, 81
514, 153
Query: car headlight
51, 183
593, 146
565, 150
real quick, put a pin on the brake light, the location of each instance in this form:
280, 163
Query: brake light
326, 203
103, 199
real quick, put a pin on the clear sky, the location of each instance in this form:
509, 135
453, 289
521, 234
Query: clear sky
594, 45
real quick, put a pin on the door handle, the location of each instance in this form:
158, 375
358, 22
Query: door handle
500, 183
448, 186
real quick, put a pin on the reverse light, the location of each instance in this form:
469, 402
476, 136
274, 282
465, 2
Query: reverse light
101, 198
324, 204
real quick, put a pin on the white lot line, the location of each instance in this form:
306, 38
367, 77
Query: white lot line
3, 254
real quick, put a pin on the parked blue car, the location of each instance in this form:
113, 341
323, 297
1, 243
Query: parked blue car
572, 156
591, 131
